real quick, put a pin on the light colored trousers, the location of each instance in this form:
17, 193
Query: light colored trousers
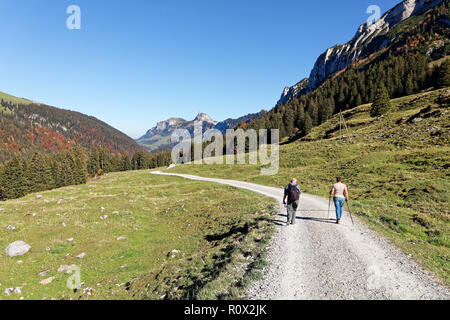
292, 212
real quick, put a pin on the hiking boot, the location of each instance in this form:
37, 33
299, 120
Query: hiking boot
338, 221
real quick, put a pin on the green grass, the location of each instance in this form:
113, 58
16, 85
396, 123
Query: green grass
220, 232
13, 99
397, 173
155, 142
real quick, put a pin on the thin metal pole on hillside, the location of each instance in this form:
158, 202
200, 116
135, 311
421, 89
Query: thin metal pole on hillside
342, 120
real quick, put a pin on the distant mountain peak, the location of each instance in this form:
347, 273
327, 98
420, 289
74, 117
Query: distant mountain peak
204, 117
159, 137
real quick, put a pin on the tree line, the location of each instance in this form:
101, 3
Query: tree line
21, 175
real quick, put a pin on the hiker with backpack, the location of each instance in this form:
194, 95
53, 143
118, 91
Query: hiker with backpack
292, 193
339, 192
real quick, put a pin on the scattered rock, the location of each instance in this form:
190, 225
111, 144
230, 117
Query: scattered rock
8, 291
415, 120
63, 268
18, 290
46, 201
87, 291
43, 273
19, 262
38, 196
17, 248
81, 255
116, 213
48, 249
121, 238
104, 217
47, 281
60, 201
70, 239
103, 209
63, 224
10, 228
171, 166
173, 253
432, 129
69, 255
31, 214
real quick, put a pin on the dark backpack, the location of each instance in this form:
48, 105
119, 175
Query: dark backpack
293, 194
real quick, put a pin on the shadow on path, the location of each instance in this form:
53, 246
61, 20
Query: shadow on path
323, 220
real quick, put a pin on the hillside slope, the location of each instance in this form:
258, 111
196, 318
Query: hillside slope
396, 166
27, 126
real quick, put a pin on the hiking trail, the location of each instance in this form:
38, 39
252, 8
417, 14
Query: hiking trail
315, 259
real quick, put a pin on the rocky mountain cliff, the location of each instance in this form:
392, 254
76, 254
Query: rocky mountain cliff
369, 39
291, 92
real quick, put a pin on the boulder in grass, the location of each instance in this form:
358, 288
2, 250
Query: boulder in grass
43, 273
63, 268
47, 281
8, 291
17, 248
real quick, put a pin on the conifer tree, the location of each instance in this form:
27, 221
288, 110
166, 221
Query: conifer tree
39, 173
14, 178
382, 103
307, 126
126, 163
444, 74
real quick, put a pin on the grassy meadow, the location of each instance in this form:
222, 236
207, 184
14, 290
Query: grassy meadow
143, 236
396, 167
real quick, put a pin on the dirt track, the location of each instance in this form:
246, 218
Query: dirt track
317, 259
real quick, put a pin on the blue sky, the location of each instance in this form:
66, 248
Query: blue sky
134, 63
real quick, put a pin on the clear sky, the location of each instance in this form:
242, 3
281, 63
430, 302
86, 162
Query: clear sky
134, 63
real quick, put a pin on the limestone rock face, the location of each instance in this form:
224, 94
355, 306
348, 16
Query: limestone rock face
291, 92
369, 38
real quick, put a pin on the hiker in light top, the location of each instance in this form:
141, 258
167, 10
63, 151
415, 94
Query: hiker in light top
340, 193
292, 192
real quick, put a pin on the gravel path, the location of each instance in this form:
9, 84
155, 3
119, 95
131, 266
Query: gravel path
317, 259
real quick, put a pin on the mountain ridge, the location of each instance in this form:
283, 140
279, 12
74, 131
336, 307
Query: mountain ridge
27, 126
369, 39
158, 137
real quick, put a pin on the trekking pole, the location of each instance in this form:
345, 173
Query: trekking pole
329, 204
348, 206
